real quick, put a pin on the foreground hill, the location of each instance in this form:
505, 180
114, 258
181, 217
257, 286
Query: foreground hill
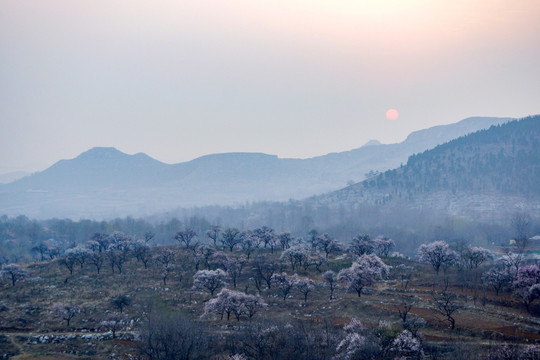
58, 313
485, 175
104, 182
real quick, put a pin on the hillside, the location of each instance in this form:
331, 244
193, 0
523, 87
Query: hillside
104, 182
484, 175
60, 310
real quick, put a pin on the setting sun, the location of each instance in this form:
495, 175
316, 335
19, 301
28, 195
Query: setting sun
392, 114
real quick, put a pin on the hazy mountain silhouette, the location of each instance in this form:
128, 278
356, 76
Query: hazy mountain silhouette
8, 177
104, 182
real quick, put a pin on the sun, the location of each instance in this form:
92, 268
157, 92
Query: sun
392, 114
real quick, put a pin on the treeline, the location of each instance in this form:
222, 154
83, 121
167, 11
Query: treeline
504, 158
21, 237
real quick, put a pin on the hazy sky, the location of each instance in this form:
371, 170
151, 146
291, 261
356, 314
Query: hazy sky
297, 78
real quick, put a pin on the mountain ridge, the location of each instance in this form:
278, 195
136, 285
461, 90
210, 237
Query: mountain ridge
104, 182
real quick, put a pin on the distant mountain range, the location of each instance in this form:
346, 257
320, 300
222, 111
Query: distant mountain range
487, 175
104, 182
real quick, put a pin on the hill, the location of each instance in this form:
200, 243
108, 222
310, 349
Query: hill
104, 182
63, 310
485, 175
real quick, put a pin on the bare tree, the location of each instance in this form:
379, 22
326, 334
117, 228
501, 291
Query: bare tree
285, 240
249, 243
327, 244
148, 236
119, 302
142, 252
166, 271
167, 336
404, 307
331, 279
165, 257
96, 259
266, 268
447, 304
65, 312
213, 234
230, 238
186, 237
114, 323
235, 267
520, 224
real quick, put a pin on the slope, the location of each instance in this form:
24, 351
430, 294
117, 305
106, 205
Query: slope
484, 175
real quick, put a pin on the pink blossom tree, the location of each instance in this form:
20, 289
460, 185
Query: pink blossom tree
527, 285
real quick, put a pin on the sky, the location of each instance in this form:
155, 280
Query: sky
296, 78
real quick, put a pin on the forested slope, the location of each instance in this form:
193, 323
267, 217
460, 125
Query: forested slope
486, 170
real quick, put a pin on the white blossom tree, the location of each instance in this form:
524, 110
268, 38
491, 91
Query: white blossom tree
305, 286
327, 244
210, 280
438, 254
364, 272
527, 285
249, 243
296, 256
406, 346
14, 273
361, 245
352, 343
233, 302
284, 283
383, 246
